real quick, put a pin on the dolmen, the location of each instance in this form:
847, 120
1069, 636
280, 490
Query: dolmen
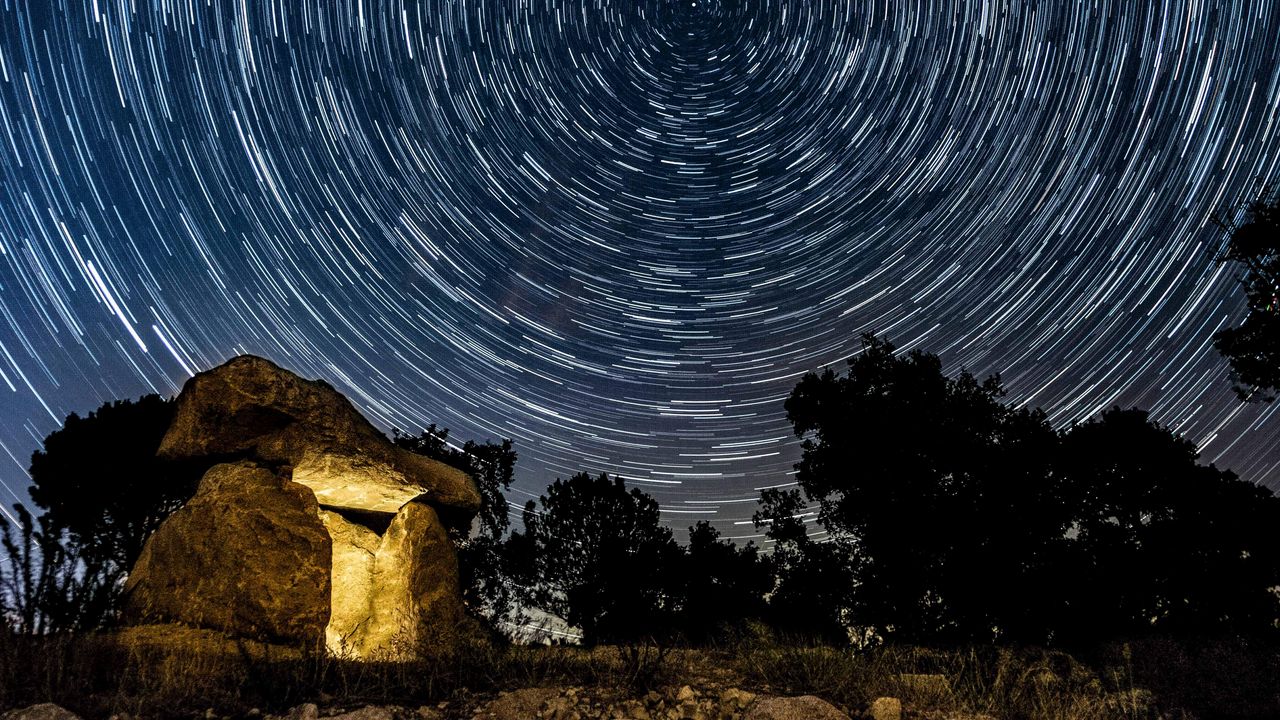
308, 527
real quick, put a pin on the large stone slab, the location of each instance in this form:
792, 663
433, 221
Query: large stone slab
251, 408
247, 555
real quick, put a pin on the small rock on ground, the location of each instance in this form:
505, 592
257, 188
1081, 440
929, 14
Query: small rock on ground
886, 708
369, 712
804, 707
43, 711
522, 704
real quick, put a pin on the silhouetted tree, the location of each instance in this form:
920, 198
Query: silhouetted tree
724, 586
813, 582
102, 492
943, 494
1162, 544
603, 561
1253, 348
485, 566
98, 478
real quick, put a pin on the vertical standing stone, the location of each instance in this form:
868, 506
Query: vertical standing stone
416, 602
247, 555
354, 546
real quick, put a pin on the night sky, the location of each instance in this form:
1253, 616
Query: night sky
619, 232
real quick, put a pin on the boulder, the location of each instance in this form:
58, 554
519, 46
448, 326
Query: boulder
886, 708
517, 704
395, 595
251, 408
247, 555
415, 596
43, 711
804, 707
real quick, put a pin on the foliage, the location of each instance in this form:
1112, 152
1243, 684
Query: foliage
103, 674
1253, 348
484, 560
98, 479
939, 490
602, 560
1182, 549
724, 586
44, 586
810, 600
967, 520
102, 492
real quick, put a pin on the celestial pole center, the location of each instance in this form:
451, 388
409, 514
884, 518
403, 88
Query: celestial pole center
620, 232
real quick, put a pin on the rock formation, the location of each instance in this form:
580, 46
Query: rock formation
247, 555
308, 525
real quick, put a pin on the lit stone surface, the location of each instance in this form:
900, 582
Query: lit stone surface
394, 596
373, 573
247, 555
354, 546
354, 483
249, 407
416, 601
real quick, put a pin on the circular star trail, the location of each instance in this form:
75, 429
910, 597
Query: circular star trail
619, 232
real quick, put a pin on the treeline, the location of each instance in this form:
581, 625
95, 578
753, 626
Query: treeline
926, 510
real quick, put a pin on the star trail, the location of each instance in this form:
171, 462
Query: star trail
619, 232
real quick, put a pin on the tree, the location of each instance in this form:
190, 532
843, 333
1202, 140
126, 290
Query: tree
942, 493
812, 591
603, 561
724, 586
1253, 348
103, 492
1162, 544
967, 520
486, 567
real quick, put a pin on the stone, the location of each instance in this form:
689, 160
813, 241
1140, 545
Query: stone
804, 707
251, 408
522, 704
736, 699
395, 596
244, 556
369, 712
415, 583
305, 711
354, 547
247, 555
43, 711
886, 708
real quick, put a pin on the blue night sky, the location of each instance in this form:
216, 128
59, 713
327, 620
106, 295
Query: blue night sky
619, 232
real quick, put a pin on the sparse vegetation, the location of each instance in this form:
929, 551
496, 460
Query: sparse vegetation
938, 538
101, 674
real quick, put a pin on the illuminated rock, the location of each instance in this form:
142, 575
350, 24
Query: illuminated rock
371, 571
249, 407
394, 595
354, 547
415, 595
247, 555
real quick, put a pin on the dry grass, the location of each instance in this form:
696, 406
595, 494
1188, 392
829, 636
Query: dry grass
155, 673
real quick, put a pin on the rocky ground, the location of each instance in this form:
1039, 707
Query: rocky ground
579, 703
